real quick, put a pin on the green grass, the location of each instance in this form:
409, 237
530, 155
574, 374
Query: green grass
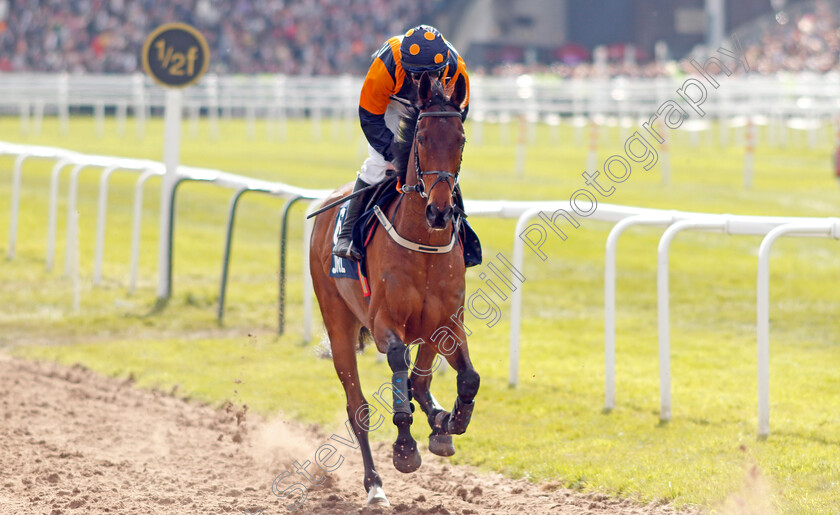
550, 428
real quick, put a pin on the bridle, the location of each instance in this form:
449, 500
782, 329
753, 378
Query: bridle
420, 188
441, 174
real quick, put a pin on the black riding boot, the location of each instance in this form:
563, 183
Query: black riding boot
344, 246
472, 247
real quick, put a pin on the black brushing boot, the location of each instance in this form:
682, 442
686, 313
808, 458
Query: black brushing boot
344, 246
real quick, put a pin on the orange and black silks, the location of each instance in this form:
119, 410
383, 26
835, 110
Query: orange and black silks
385, 78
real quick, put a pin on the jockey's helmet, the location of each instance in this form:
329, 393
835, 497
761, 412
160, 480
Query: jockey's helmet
423, 49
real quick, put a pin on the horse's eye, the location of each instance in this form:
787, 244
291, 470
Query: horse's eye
419, 140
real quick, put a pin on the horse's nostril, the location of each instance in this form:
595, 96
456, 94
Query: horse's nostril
438, 218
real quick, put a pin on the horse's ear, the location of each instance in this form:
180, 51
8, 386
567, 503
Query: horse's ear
424, 92
459, 94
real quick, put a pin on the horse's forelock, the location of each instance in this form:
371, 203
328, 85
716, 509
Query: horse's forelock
439, 95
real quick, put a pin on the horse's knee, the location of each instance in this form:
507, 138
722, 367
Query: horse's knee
468, 383
399, 381
396, 355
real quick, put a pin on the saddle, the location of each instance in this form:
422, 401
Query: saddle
382, 196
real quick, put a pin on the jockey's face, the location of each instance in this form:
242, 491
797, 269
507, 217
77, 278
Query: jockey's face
415, 76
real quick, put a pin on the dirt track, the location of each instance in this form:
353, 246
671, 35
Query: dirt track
72, 441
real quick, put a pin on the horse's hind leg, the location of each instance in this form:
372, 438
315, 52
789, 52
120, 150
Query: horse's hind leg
343, 329
440, 442
406, 456
358, 409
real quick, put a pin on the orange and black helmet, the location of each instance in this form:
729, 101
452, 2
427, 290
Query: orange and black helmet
423, 49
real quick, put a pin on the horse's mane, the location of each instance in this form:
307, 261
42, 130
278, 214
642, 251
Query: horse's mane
404, 138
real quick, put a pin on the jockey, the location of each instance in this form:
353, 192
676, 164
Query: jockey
385, 94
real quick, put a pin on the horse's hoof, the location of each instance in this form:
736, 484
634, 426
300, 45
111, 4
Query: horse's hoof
406, 457
441, 445
376, 497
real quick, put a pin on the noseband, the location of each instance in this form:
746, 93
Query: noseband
441, 175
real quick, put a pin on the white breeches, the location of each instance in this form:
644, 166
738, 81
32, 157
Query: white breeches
373, 169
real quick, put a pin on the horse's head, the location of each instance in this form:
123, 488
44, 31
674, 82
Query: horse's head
437, 147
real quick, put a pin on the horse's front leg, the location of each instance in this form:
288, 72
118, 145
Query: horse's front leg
440, 442
456, 422
406, 456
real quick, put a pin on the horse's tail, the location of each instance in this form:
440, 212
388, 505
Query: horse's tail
364, 337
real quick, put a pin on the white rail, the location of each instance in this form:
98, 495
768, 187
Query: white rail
676, 221
827, 228
137, 222
609, 295
801, 101
663, 303
624, 217
108, 165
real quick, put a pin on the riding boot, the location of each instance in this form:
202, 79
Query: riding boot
472, 247
344, 246
458, 199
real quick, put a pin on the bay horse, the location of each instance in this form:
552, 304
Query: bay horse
415, 296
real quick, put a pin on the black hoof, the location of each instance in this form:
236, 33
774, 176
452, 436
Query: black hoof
459, 419
406, 456
441, 445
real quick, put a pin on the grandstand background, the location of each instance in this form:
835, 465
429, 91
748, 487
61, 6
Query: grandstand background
330, 37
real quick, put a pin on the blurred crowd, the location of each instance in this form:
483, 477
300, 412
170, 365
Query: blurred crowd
308, 37
329, 37
807, 41
584, 70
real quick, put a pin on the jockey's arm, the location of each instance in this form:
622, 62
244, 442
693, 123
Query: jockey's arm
377, 134
373, 102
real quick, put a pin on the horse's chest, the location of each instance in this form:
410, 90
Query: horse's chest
425, 298
440, 300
